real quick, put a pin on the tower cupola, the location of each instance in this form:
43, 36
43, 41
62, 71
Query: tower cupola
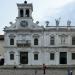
25, 10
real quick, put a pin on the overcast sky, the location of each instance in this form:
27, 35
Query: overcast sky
42, 10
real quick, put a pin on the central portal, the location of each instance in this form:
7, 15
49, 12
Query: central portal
63, 57
24, 57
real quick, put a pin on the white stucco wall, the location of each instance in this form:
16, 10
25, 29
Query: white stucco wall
43, 48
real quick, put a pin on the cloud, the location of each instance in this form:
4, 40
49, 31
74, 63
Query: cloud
44, 8
66, 12
59, 3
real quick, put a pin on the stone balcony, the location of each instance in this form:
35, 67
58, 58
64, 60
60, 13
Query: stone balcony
23, 43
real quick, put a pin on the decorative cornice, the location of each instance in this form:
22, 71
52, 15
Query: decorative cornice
22, 5
41, 47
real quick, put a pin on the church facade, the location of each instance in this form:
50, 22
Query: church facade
30, 44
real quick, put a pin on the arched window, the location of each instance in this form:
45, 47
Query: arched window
21, 12
35, 41
27, 12
11, 41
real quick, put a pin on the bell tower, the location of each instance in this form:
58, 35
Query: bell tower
25, 10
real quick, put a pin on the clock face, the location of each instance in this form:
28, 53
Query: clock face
24, 23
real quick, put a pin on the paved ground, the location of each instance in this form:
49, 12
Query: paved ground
35, 70
32, 72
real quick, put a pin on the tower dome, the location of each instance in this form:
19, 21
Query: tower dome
25, 2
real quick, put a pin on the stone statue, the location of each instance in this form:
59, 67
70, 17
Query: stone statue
37, 22
57, 21
68, 23
47, 23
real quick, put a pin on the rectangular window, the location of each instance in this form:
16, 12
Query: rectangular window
73, 40
11, 56
52, 40
35, 56
51, 56
73, 56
